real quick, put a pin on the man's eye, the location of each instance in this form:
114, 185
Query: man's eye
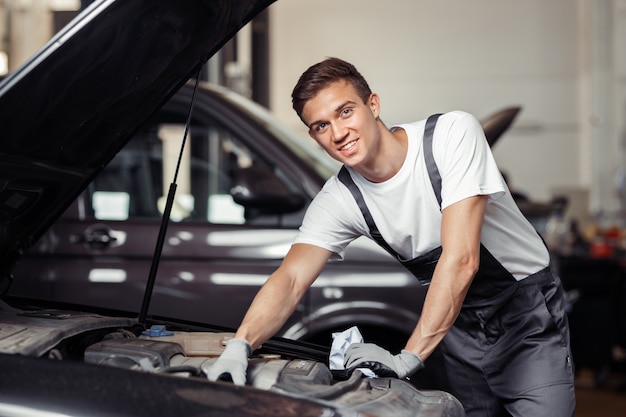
321, 126
346, 112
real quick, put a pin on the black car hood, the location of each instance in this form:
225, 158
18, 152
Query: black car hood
68, 110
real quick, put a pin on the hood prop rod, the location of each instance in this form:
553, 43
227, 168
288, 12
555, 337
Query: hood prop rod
147, 295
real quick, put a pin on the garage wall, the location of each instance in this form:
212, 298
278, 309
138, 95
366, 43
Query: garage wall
426, 56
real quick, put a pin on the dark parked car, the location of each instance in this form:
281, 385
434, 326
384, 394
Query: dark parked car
65, 115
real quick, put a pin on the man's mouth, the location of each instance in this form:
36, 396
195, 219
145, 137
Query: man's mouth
348, 146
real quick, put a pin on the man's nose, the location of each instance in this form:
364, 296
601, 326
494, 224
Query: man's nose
338, 130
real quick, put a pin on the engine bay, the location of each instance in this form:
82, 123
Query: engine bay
123, 342
191, 354
175, 351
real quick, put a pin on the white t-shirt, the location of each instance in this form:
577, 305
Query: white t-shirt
406, 210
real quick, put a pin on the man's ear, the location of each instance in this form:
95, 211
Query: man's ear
374, 104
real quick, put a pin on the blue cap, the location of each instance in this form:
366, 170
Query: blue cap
157, 330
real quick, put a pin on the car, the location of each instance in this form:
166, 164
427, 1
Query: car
73, 348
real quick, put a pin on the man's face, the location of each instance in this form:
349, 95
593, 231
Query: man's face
342, 124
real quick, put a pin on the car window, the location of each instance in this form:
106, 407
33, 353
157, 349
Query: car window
135, 184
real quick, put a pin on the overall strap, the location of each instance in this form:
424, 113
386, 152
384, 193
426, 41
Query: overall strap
433, 173
346, 179
431, 166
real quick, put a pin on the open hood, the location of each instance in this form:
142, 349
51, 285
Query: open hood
67, 112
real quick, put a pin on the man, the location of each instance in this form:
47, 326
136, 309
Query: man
431, 194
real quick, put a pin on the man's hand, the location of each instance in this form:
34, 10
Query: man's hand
232, 362
383, 363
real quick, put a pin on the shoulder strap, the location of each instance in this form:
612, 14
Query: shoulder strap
346, 179
431, 166
433, 173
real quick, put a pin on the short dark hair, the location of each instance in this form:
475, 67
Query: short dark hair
321, 75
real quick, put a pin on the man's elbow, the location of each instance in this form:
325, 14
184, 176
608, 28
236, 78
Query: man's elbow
472, 265
465, 266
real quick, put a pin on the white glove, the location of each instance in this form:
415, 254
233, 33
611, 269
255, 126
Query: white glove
233, 362
383, 363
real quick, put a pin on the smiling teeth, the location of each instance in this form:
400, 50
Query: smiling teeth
348, 146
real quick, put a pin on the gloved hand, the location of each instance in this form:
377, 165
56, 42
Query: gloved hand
233, 361
383, 363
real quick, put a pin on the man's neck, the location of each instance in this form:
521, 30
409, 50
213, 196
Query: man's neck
389, 158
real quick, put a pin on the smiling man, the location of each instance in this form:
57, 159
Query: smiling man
431, 194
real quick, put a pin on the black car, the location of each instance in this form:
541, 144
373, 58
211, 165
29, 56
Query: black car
65, 114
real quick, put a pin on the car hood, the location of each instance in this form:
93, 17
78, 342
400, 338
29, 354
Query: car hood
68, 110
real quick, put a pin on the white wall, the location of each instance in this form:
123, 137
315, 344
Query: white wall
425, 56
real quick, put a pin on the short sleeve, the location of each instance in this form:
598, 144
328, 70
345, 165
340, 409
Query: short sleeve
465, 160
330, 221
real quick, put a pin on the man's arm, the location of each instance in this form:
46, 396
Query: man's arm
460, 239
280, 294
269, 310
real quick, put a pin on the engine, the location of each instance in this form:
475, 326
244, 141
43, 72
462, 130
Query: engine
193, 354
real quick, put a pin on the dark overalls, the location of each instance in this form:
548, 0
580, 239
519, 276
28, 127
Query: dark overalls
508, 352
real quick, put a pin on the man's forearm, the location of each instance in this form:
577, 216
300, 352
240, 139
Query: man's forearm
461, 227
441, 307
282, 292
270, 309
